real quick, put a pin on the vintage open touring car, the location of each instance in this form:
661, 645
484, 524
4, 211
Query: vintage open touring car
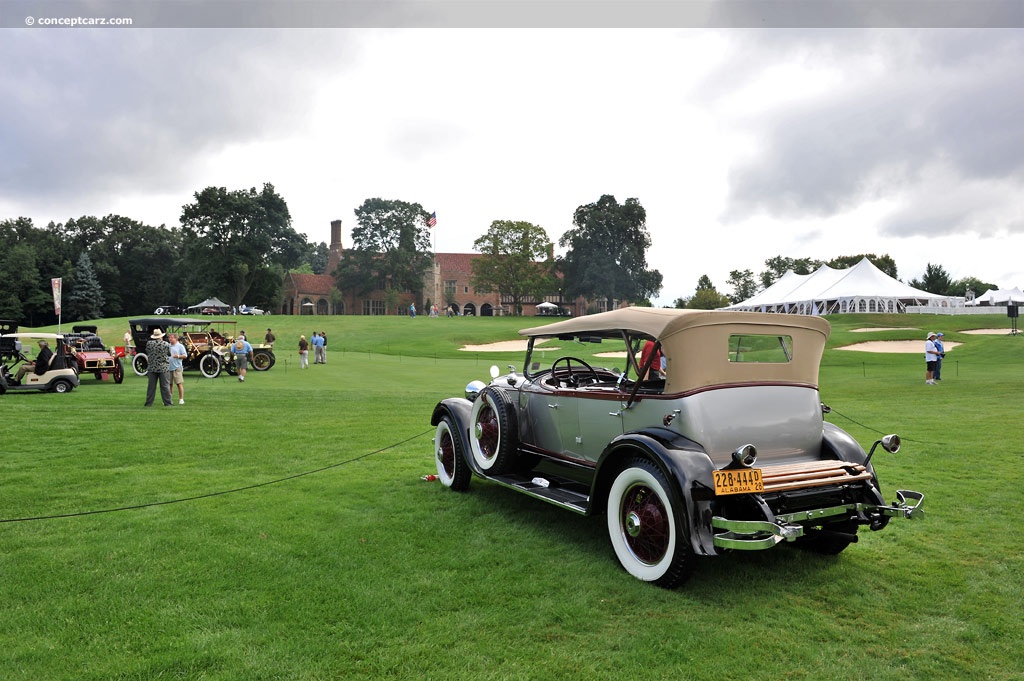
207, 344
722, 446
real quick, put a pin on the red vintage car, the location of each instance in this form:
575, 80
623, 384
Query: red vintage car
88, 355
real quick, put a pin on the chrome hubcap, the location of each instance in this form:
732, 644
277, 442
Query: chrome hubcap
633, 524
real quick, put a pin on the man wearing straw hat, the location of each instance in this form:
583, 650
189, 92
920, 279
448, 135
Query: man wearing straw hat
158, 352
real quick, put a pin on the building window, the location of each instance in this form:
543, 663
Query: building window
373, 307
465, 289
449, 287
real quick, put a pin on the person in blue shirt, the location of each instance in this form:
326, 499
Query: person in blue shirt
243, 353
318, 349
937, 374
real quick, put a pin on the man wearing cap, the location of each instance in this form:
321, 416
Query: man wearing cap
243, 355
942, 353
158, 352
931, 356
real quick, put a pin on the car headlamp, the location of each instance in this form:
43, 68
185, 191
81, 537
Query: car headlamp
473, 389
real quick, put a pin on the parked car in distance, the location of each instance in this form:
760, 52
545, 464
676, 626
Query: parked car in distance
251, 310
168, 309
725, 449
19, 348
9, 347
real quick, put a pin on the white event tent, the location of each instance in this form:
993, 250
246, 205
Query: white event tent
861, 288
1003, 296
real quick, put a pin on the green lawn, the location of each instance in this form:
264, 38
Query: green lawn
279, 529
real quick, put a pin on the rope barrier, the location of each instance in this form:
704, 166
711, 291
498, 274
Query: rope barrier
209, 495
875, 430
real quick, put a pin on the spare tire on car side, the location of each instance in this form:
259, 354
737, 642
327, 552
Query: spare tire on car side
493, 431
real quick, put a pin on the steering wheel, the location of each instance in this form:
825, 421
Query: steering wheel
571, 377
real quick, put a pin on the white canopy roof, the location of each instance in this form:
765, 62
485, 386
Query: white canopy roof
1002, 296
861, 288
209, 302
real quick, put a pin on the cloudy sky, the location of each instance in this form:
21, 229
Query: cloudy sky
741, 143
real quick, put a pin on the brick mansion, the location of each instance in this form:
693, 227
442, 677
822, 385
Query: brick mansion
449, 279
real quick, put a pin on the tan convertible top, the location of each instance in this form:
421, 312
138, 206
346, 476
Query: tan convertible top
696, 342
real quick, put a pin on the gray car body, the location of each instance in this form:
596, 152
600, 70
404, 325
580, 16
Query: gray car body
571, 440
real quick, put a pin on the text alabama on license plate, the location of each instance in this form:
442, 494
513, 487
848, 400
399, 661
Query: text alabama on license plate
739, 481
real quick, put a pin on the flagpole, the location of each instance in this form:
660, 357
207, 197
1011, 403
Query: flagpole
432, 224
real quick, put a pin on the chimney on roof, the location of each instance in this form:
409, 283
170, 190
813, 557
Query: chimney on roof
334, 249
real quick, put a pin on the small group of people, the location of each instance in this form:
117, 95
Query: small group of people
166, 363
319, 343
934, 351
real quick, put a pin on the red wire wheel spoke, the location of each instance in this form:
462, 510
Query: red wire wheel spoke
489, 431
646, 523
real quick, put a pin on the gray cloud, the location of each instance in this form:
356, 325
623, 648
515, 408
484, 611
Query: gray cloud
102, 111
915, 103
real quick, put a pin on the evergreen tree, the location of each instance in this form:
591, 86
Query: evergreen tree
86, 298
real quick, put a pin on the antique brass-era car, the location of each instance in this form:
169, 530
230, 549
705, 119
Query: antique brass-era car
88, 355
206, 342
723, 446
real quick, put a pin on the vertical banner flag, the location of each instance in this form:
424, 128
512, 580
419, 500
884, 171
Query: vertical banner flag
432, 220
55, 283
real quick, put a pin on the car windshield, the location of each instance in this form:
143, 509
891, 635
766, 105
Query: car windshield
603, 359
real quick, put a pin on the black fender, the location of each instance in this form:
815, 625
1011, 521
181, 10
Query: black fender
842, 444
686, 465
846, 448
459, 409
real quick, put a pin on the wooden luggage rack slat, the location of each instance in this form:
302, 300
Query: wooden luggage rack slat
812, 474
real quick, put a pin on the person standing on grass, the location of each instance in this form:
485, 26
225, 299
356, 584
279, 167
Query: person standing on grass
269, 338
318, 347
931, 355
243, 353
158, 370
942, 353
178, 353
303, 352
321, 348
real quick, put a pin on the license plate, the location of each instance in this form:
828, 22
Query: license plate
739, 481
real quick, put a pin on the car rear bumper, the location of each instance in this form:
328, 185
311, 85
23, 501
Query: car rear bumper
755, 535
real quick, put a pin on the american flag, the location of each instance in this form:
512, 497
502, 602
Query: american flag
432, 220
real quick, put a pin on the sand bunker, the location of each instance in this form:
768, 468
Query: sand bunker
885, 328
907, 347
988, 332
504, 346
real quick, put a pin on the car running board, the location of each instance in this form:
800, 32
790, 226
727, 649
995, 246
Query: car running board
562, 492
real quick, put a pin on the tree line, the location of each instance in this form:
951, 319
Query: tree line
234, 244
238, 245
